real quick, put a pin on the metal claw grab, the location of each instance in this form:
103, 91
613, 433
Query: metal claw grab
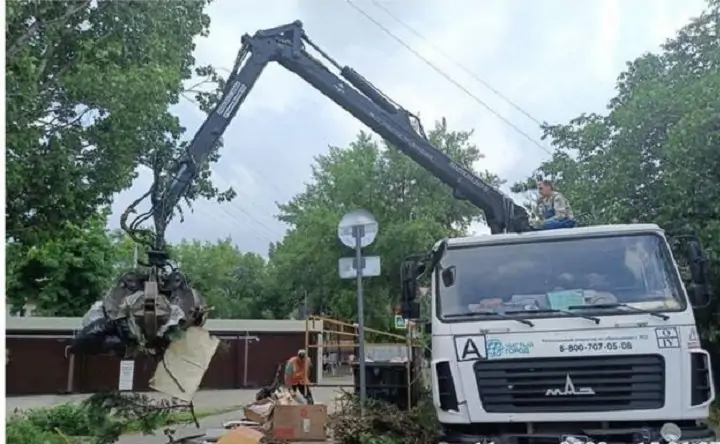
151, 305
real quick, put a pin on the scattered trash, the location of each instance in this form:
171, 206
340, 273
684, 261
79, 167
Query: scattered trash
280, 416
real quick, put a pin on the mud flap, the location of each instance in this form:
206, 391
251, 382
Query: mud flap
184, 364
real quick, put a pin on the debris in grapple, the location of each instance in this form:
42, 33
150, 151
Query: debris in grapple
140, 314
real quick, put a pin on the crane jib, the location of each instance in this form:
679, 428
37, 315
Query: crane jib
360, 98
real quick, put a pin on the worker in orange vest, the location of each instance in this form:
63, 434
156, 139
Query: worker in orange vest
297, 370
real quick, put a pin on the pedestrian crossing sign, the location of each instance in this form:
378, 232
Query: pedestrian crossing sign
400, 322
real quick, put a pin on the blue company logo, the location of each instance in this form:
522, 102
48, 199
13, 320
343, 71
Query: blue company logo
497, 349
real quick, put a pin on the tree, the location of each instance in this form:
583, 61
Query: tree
88, 90
654, 156
414, 209
231, 281
65, 275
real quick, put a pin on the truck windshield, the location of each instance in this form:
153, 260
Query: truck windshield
636, 270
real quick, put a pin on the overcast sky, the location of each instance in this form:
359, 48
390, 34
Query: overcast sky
555, 59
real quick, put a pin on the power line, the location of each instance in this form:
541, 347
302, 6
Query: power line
456, 63
448, 78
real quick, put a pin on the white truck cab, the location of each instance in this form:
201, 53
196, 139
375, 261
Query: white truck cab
581, 335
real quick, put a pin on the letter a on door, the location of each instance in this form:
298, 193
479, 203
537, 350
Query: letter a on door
470, 348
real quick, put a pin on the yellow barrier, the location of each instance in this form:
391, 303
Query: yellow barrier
335, 335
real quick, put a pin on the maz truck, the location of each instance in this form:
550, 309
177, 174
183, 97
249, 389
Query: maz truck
580, 335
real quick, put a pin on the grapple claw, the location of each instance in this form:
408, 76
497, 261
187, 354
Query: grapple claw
139, 313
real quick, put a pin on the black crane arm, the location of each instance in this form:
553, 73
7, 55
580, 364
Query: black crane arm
286, 45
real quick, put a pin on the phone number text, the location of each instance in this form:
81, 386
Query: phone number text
581, 347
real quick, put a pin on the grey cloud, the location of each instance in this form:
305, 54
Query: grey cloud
555, 59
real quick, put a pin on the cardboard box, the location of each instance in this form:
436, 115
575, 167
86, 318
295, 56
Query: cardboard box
242, 435
300, 422
259, 411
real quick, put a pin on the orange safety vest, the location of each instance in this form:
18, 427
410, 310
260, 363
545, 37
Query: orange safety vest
300, 372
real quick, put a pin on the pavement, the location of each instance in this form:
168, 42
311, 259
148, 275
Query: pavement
205, 400
321, 395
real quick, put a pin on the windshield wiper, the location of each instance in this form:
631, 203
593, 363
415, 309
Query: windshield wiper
488, 312
555, 310
662, 316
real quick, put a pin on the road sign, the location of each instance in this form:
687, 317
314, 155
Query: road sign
360, 224
400, 322
348, 268
357, 230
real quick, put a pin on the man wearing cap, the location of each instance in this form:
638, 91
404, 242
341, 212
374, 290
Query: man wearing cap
297, 370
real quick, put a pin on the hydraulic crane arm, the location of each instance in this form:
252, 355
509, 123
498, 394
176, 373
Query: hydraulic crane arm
286, 45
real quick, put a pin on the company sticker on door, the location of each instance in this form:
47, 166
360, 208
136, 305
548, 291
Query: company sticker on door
499, 348
473, 348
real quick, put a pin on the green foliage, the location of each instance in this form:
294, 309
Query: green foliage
413, 208
384, 423
70, 419
232, 282
101, 419
60, 424
22, 431
64, 275
654, 156
88, 86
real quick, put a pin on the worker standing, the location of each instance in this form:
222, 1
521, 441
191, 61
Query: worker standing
297, 371
553, 208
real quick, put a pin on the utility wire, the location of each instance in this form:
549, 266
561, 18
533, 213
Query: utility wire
456, 63
448, 78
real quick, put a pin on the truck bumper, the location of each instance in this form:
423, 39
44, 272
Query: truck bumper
569, 433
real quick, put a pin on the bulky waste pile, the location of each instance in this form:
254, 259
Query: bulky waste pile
117, 323
280, 417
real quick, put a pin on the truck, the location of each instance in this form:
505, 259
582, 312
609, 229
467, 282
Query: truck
579, 335
571, 335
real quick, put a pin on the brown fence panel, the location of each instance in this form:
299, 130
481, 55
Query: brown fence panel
223, 372
273, 349
97, 373
144, 369
37, 366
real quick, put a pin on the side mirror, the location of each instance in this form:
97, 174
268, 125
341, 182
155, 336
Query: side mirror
696, 260
699, 281
410, 272
448, 276
437, 253
411, 310
409, 280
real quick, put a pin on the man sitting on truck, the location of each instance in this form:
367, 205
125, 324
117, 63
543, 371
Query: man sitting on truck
553, 208
296, 374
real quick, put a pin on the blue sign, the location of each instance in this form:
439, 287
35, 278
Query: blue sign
499, 349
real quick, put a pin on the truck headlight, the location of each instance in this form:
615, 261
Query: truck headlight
670, 432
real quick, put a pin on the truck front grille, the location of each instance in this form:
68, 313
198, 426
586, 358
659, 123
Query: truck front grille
577, 384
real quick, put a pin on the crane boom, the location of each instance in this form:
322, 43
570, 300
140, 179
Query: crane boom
286, 45
146, 304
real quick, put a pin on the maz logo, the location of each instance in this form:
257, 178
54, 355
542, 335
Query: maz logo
570, 390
